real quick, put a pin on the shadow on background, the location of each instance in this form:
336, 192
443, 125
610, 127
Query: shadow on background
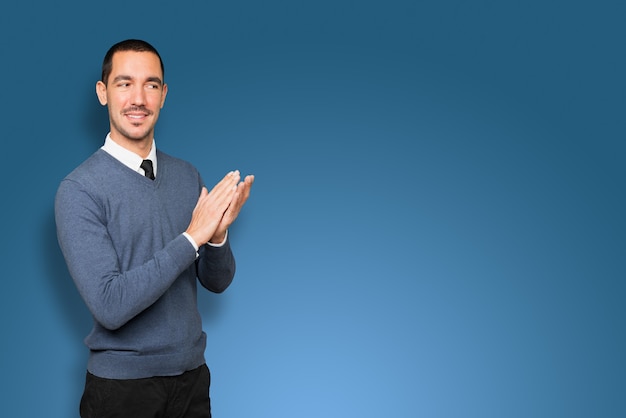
69, 302
95, 119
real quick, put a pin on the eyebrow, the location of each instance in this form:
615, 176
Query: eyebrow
127, 77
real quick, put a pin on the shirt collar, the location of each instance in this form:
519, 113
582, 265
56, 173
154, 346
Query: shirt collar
127, 157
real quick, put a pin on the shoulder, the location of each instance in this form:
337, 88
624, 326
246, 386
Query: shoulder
181, 169
164, 158
97, 165
93, 176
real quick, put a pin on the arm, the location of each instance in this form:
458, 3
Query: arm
216, 265
213, 214
113, 295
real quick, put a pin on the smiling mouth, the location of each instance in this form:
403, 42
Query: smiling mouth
137, 117
136, 113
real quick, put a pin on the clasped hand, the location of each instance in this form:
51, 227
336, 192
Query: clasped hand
217, 210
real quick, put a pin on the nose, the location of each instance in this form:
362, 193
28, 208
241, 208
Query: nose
138, 96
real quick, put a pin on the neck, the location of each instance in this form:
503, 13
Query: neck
141, 147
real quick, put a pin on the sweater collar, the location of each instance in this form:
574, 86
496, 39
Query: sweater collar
127, 157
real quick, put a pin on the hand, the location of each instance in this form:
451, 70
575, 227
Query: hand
239, 198
211, 207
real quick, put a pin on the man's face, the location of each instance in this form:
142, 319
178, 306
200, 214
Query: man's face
134, 94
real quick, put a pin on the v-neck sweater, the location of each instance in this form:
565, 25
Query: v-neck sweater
121, 236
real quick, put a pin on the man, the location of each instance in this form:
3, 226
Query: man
137, 229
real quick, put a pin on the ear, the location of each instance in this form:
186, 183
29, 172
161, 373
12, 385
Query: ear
163, 95
101, 91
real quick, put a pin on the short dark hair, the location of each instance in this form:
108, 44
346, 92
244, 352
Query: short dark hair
136, 45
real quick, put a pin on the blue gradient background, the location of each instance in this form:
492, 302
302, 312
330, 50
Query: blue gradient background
437, 228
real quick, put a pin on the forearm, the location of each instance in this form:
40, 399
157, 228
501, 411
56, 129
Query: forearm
216, 267
113, 296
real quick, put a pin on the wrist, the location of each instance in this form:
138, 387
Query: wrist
191, 240
218, 239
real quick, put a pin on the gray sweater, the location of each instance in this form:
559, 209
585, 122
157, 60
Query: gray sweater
121, 236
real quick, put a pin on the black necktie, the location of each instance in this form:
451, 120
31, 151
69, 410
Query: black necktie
147, 167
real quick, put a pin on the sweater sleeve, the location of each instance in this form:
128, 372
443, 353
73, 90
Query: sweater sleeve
113, 296
216, 267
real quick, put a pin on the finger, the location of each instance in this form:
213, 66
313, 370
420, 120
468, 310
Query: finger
225, 188
203, 193
239, 198
225, 182
245, 186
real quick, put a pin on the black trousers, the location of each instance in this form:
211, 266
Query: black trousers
183, 396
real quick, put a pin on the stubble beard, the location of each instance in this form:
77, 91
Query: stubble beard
133, 137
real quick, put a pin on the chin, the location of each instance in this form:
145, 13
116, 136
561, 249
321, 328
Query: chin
136, 135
